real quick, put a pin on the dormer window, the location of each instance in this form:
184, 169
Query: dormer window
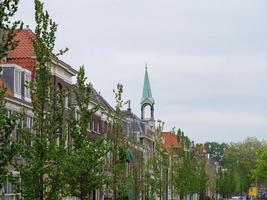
17, 83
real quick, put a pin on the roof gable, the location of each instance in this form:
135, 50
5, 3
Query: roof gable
25, 47
170, 141
147, 93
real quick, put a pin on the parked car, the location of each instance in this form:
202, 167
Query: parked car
236, 198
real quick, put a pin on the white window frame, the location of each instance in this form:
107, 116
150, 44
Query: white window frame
67, 101
9, 113
29, 122
77, 115
27, 93
11, 193
17, 83
98, 127
93, 125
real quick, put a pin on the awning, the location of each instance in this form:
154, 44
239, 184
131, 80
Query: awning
131, 156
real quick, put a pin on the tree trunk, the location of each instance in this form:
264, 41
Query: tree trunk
81, 189
41, 181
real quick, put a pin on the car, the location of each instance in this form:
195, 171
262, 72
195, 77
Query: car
236, 198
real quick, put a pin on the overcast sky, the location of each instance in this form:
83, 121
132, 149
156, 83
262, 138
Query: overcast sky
207, 58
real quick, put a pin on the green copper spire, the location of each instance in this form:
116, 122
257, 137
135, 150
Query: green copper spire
147, 94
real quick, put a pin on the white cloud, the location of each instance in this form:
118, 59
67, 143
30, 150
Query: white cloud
207, 59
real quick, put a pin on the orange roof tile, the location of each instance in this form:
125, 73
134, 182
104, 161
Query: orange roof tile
24, 54
25, 47
201, 150
170, 140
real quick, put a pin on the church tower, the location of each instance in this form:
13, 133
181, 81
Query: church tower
147, 101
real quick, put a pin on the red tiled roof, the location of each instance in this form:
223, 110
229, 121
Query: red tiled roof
25, 47
170, 140
24, 54
201, 150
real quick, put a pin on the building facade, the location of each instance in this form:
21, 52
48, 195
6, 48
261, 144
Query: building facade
18, 70
14, 78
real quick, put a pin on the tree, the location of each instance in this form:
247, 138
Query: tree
42, 146
155, 169
8, 147
137, 176
215, 150
118, 143
83, 164
260, 171
201, 179
239, 160
8, 31
226, 183
189, 171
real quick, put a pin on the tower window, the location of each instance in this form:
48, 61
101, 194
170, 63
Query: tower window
147, 112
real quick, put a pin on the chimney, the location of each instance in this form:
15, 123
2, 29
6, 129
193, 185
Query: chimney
129, 110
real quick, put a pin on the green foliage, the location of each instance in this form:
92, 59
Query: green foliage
189, 171
42, 147
226, 183
8, 30
215, 150
8, 147
119, 181
260, 171
239, 161
83, 164
155, 169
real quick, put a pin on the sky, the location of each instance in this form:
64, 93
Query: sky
207, 59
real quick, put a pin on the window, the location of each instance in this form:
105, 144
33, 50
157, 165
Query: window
77, 114
27, 79
69, 139
29, 122
59, 86
98, 127
8, 187
17, 82
66, 101
147, 112
18, 135
93, 125
9, 113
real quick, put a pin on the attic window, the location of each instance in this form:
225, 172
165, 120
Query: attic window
17, 83
147, 112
